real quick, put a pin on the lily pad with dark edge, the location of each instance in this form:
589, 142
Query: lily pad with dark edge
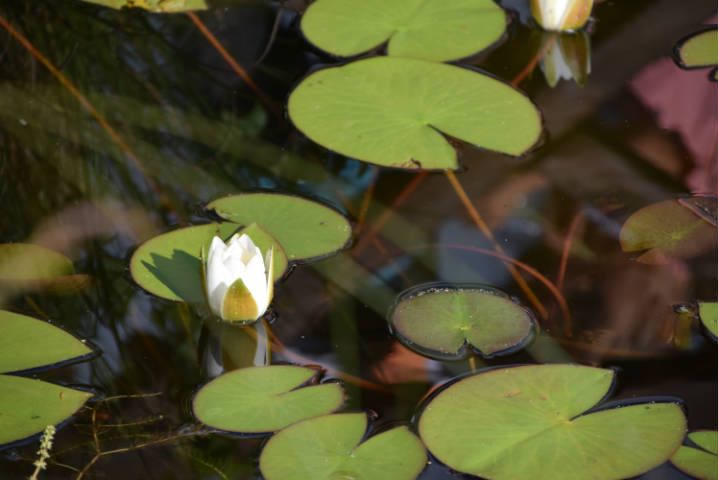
698, 50
395, 112
534, 422
26, 343
155, 6
429, 30
701, 458
168, 265
708, 313
331, 448
667, 229
439, 321
304, 228
27, 406
257, 400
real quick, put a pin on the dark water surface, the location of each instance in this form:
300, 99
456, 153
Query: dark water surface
628, 138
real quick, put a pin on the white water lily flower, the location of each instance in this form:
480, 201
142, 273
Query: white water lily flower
238, 282
561, 15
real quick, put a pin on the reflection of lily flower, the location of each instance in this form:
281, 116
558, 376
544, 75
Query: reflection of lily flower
568, 57
238, 282
561, 15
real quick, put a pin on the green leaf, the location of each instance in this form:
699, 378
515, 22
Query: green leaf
155, 6
698, 50
667, 228
27, 343
439, 321
27, 406
531, 422
25, 261
699, 462
264, 399
329, 448
392, 112
168, 265
304, 228
429, 30
708, 313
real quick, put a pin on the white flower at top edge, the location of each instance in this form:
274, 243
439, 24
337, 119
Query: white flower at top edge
561, 15
238, 281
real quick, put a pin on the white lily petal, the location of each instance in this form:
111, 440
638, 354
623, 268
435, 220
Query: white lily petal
256, 281
215, 280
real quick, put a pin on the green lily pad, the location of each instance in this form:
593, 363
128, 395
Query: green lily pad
304, 228
264, 399
168, 265
699, 462
698, 50
155, 6
25, 266
50, 345
532, 422
413, 28
27, 406
439, 321
329, 448
392, 112
667, 228
708, 313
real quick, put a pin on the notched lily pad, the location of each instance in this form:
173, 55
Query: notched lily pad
505, 423
698, 50
331, 448
258, 400
670, 229
700, 459
26, 343
428, 30
393, 111
168, 265
440, 321
155, 6
708, 313
305, 229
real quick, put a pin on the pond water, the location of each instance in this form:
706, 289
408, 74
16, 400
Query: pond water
144, 122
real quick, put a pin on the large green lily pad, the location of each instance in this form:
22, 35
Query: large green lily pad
27, 406
331, 448
168, 265
426, 29
304, 228
698, 50
27, 343
156, 6
708, 313
439, 321
392, 112
532, 422
701, 459
667, 228
264, 399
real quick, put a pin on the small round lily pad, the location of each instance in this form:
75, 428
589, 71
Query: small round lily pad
413, 28
27, 406
440, 321
667, 228
305, 228
331, 448
257, 400
708, 313
395, 112
698, 50
532, 422
699, 460
168, 265
26, 343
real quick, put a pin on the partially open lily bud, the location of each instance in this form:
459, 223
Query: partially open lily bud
568, 58
561, 15
238, 282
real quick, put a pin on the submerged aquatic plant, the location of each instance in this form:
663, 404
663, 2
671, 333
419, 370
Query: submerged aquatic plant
238, 281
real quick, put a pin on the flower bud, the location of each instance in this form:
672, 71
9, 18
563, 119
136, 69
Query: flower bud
561, 15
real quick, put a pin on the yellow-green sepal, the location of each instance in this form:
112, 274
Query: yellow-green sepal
239, 304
